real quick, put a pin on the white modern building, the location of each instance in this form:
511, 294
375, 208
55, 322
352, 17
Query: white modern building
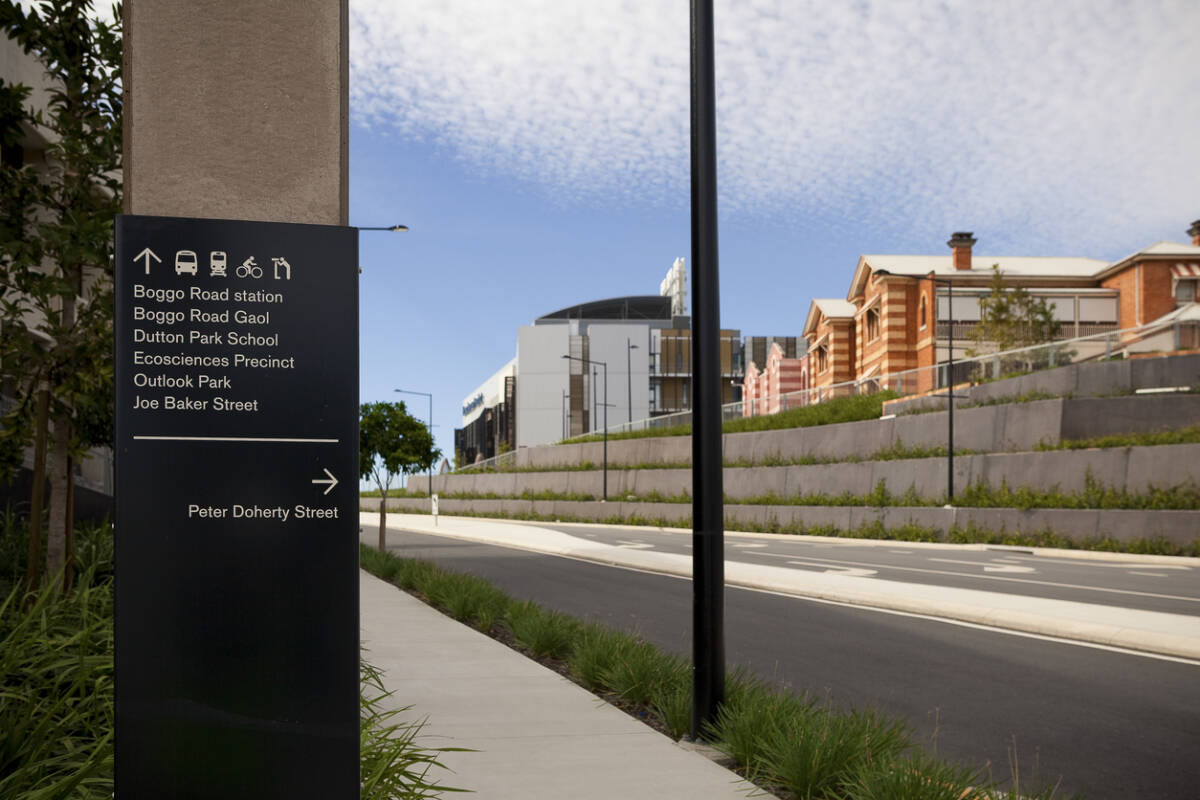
604, 362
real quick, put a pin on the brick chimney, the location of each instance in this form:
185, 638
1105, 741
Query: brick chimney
1194, 232
961, 243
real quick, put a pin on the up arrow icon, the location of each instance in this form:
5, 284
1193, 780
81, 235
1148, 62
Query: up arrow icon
147, 254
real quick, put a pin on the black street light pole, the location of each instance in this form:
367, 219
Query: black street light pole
708, 503
949, 284
629, 347
430, 396
605, 367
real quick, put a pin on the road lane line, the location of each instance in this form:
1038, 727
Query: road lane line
874, 565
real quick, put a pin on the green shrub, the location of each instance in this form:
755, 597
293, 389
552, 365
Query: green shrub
595, 650
673, 702
474, 601
749, 713
919, 778
641, 672
546, 634
392, 765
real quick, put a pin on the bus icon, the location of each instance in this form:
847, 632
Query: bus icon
185, 261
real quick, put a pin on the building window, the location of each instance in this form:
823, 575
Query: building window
921, 312
872, 324
822, 358
1185, 291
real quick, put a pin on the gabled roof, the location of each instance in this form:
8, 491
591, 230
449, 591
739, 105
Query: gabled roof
828, 307
1156, 252
981, 267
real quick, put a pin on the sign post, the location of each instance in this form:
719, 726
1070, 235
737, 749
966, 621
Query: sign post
236, 509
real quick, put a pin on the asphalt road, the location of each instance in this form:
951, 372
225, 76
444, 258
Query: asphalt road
1171, 587
1111, 724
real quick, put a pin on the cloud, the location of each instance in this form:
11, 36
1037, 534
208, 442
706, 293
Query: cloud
1043, 123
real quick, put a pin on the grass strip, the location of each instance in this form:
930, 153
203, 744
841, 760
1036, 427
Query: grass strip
1094, 495
57, 692
839, 409
1186, 435
789, 745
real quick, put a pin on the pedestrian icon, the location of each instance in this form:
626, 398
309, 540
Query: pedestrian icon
216, 264
287, 268
249, 269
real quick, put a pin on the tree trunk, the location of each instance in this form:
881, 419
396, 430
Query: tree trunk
60, 466
33, 562
382, 523
69, 551
60, 478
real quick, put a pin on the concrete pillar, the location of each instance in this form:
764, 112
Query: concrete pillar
237, 110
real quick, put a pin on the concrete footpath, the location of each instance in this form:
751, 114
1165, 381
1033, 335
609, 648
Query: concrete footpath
535, 734
1148, 631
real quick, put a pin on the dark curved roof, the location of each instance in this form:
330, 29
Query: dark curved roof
647, 306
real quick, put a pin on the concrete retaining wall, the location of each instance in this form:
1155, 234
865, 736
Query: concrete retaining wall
989, 429
1092, 379
1178, 527
1132, 469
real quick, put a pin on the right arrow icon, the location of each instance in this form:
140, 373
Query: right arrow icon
332, 481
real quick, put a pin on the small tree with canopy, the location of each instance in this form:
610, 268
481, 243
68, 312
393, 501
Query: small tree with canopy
1010, 319
391, 442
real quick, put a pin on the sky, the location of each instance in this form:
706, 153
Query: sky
538, 150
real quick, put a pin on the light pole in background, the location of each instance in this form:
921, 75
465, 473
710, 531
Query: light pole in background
566, 419
605, 367
629, 347
430, 396
949, 284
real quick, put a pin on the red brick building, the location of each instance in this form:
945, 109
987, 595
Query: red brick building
901, 310
763, 391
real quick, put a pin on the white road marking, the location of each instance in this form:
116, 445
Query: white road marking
854, 572
1113, 565
986, 567
747, 544
981, 577
1150, 574
634, 545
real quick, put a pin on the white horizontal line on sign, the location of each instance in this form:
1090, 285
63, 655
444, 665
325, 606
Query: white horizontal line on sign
234, 439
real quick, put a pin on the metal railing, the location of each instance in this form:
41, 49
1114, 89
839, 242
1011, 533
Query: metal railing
918, 381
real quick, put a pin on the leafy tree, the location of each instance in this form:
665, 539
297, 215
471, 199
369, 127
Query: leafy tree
391, 442
56, 228
1011, 318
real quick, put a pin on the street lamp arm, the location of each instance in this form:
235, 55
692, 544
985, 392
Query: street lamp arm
392, 228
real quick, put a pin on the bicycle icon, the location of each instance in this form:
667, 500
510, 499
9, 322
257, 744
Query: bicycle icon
249, 269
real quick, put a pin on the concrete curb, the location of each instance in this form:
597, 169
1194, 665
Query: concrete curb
1174, 635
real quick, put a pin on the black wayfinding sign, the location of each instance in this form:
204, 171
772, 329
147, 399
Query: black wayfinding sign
237, 516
